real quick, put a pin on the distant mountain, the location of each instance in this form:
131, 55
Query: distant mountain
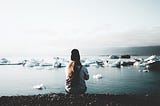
144, 50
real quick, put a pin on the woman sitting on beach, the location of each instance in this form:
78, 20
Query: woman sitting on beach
76, 74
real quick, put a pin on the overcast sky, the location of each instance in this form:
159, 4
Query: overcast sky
54, 26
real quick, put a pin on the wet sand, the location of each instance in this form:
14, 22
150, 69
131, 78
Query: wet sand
54, 99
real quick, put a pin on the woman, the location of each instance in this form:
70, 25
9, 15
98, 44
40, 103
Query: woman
76, 74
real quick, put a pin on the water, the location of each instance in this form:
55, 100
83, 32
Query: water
124, 80
19, 80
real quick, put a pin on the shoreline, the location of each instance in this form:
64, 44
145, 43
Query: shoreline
61, 99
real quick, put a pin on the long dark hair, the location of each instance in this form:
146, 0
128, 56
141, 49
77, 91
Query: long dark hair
75, 56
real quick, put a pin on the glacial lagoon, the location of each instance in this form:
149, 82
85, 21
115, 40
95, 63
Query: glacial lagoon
20, 80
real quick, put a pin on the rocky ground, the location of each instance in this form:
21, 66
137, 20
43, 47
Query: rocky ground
81, 100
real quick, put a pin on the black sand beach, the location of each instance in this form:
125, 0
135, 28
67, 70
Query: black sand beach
54, 99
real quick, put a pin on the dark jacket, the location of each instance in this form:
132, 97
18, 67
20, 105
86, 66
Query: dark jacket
81, 86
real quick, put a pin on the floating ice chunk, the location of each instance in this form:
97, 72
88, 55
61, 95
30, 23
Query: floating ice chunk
116, 64
4, 61
45, 64
98, 76
153, 57
143, 70
136, 63
39, 87
113, 57
32, 63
